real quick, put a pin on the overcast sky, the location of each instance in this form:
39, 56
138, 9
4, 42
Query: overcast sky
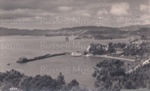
49, 14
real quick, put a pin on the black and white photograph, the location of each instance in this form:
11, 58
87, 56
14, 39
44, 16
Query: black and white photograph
74, 45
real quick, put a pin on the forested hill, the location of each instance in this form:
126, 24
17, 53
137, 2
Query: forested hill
36, 32
82, 32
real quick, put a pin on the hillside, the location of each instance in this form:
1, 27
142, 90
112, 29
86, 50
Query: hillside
134, 27
22, 32
96, 32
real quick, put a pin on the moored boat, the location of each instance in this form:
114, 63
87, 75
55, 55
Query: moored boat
76, 54
89, 55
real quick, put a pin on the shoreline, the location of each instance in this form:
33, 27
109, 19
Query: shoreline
111, 57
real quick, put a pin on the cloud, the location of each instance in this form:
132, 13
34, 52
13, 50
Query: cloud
85, 13
14, 14
144, 8
64, 8
102, 12
120, 9
23, 13
48, 5
112, 10
17, 4
144, 16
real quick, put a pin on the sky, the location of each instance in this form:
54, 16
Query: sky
53, 14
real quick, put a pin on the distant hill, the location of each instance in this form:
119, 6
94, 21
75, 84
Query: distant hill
22, 32
134, 27
96, 32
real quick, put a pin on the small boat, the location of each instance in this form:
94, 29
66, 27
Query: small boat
67, 38
8, 64
22, 60
76, 54
89, 55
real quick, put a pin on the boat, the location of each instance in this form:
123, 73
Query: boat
89, 55
8, 64
67, 38
76, 54
22, 60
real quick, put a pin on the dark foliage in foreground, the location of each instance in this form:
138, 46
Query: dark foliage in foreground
26, 83
139, 78
111, 76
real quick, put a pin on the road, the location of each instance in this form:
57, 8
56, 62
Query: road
111, 57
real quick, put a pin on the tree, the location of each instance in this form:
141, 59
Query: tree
73, 83
60, 80
109, 74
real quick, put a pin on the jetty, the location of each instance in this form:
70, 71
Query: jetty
22, 60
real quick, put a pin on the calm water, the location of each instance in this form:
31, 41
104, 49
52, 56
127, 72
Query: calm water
80, 68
